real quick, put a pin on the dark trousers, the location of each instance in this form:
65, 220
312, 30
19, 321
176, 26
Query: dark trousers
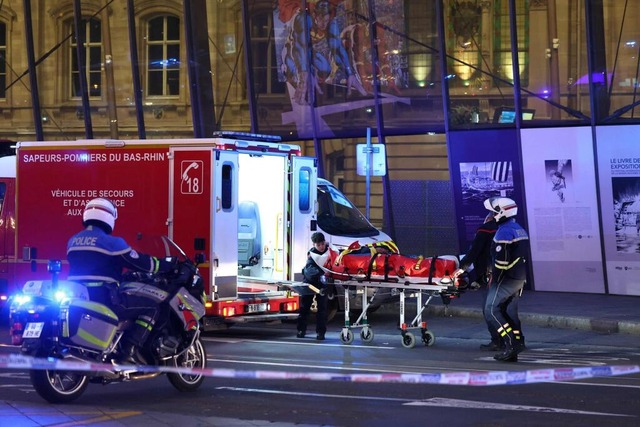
143, 311
501, 310
321, 316
509, 311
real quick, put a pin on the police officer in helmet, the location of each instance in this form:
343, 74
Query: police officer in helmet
98, 259
509, 250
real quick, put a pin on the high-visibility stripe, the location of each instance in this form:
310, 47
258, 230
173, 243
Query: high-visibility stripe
502, 265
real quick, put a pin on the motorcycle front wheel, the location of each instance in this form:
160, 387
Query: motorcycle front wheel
194, 357
58, 386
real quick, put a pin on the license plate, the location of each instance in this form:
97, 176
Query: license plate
33, 330
257, 308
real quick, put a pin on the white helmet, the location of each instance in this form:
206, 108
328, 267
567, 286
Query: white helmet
501, 207
102, 210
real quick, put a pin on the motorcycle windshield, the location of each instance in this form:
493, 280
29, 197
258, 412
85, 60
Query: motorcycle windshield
158, 246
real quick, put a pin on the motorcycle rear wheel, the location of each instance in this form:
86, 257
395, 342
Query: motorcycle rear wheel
58, 386
194, 357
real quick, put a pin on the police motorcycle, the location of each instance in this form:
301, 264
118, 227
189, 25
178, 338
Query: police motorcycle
60, 322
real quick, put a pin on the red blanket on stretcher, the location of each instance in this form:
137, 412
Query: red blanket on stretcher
387, 265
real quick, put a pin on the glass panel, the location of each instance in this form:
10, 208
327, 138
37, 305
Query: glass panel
410, 70
95, 31
155, 29
173, 82
155, 83
173, 57
173, 28
227, 187
95, 58
475, 33
3, 34
95, 88
156, 57
622, 47
553, 62
75, 84
304, 183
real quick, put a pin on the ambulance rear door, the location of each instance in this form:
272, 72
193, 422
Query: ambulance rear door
303, 194
225, 223
203, 213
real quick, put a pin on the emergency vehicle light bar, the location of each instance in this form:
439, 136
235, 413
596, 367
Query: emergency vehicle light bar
246, 135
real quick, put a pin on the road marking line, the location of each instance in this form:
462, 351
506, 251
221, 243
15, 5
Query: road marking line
316, 366
470, 404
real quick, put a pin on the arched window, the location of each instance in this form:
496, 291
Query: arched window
3, 56
163, 56
92, 55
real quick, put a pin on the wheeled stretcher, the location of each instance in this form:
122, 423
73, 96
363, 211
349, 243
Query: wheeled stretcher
395, 274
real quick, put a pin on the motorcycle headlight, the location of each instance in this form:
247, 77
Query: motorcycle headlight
21, 299
61, 295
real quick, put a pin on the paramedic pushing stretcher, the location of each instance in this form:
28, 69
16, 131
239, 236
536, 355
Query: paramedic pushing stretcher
97, 259
313, 276
508, 275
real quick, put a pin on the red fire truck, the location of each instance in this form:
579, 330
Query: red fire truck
248, 204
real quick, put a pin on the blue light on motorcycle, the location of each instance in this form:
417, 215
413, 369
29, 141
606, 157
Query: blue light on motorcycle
54, 266
21, 299
61, 296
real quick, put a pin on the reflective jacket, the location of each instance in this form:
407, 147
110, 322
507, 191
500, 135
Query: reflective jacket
94, 255
509, 251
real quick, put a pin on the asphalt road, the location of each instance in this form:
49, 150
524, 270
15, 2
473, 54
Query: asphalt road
602, 401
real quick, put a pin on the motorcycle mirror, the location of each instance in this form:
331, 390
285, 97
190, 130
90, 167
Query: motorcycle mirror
200, 258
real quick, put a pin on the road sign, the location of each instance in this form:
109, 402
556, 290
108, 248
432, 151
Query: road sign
372, 157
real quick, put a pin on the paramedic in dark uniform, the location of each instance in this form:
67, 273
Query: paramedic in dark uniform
97, 259
479, 255
508, 275
313, 276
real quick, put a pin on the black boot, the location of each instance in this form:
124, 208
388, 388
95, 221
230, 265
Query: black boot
510, 353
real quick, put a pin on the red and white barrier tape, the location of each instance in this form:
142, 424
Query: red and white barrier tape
481, 378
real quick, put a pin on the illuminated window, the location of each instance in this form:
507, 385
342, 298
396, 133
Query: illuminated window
93, 58
163, 56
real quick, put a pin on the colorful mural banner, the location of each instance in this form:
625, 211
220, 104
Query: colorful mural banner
324, 57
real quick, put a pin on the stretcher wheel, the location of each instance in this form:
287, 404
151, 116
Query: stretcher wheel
366, 335
428, 338
408, 340
346, 337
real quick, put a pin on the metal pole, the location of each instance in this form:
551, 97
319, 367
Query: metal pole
367, 166
82, 69
135, 70
599, 101
33, 79
251, 89
108, 71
